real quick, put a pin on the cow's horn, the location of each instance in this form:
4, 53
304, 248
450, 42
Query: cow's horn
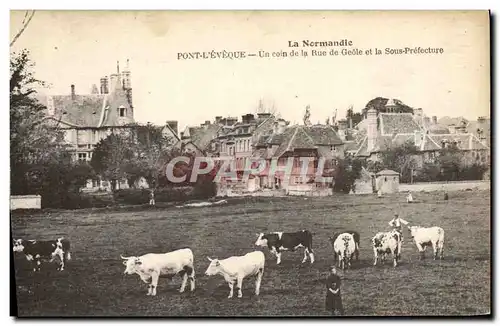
209, 258
125, 257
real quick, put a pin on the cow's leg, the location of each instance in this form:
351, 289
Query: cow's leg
191, 279
258, 280
61, 257
435, 250
421, 251
375, 254
154, 282
357, 252
231, 286
239, 284
184, 276
311, 255
395, 255
441, 248
400, 244
278, 255
306, 253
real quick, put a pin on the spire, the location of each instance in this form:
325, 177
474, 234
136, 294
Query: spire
117, 67
127, 67
307, 115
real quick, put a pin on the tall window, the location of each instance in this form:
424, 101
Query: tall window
82, 156
122, 111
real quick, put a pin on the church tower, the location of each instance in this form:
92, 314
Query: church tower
127, 83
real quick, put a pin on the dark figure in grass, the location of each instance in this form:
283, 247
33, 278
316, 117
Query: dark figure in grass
333, 295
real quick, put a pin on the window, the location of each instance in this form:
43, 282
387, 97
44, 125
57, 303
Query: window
122, 111
333, 148
82, 156
385, 179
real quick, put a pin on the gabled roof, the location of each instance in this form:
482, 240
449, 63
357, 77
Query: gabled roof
295, 138
82, 111
324, 135
464, 141
401, 123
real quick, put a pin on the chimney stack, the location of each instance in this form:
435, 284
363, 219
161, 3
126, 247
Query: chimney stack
342, 132
104, 85
73, 95
371, 132
434, 120
218, 119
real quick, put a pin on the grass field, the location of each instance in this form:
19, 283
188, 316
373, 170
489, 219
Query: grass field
94, 285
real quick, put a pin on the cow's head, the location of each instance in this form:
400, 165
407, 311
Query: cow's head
213, 268
261, 240
18, 245
58, 251
412, 230
131, 263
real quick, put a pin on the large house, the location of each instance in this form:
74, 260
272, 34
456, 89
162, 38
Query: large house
87, 118
388, 125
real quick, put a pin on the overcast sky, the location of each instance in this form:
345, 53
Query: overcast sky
80, 47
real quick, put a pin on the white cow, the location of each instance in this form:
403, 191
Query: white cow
424, 237
344, 246
151, 266
387, 243
235, 269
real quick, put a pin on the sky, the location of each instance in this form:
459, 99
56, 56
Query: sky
80, 47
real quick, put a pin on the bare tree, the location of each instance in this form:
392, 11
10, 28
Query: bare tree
25, 24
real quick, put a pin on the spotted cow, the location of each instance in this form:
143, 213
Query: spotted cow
37, 251
278, 242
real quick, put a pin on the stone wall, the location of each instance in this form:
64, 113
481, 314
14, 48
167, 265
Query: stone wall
448, 186
25, 202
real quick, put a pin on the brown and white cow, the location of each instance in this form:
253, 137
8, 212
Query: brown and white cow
356, 240
37, 251
278, 242
385, 243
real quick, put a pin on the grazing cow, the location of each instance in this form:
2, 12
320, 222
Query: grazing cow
235, 269
38, 250
282, 241
344, 247
432, 236
387, 243
151, 266
356, 240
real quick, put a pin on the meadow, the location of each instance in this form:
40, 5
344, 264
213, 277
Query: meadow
93, 283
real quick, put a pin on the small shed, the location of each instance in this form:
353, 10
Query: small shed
387, 181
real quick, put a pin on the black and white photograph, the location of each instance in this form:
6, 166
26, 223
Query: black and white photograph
250, 163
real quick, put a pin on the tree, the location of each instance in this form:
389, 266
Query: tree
449, 161
27, 19
400, 158
154, 151
33, 141
346, 173
354, 117
114, 158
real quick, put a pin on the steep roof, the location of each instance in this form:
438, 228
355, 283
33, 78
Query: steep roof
402, 123
324, 135
82, 111
202, 137
387, 172
294, 138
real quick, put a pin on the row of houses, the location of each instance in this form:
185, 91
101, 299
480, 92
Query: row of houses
88, 118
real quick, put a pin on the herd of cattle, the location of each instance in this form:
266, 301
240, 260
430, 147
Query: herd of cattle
234, 269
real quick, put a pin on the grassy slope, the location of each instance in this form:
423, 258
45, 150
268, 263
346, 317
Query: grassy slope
93, 283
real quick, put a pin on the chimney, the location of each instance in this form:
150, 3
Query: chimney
104, 85
418, 115
371, 130
342, 132
250, 118
173, 124
434, 120
218, 119
244, 119
73, 95
427, 121
418, 138
231, 121
182, 134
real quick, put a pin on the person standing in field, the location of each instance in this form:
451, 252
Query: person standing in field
409, 197
152, 197
333, 296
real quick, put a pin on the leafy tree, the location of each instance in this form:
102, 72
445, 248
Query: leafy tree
400, 159
346, 173
450, 160
114, 158
355, 117
34, 142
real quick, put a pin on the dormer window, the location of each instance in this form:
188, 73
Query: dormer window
122, 111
